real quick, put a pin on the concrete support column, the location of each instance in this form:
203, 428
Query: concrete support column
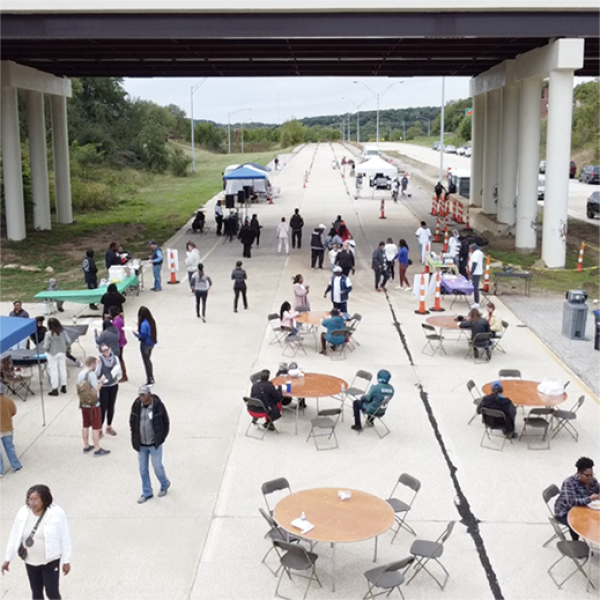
478, 127
11, 166
558, 156
38, 160
509, 156
60, 153
529, 161
491, 154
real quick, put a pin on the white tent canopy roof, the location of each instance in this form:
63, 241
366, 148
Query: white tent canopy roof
377, 165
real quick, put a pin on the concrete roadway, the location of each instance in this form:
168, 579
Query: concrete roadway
578, 192
204, 540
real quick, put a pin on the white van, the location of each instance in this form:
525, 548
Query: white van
369, 152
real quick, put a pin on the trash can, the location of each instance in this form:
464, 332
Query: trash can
597, 334
575, 311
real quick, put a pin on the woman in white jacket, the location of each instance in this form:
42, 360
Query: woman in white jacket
41, 528
55, 346
192, 260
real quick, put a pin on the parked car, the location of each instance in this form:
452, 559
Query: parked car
435, 146
461, 150
542, 166
590, 174
450, 149
572, 170
593, 202
468, 152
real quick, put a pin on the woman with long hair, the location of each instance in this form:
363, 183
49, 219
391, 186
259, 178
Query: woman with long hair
201, 284
147, 335
301, 291
403, 262
287, 316
112, 297
55, 346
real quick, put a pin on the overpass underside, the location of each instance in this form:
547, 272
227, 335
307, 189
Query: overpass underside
507, 52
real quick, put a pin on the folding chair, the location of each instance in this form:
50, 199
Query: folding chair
275, 533
575, 550
480, 343
477, 398
351, 327
431, 336
278, 333
563, 419
256, 409
16, 380
493, 420
387, 578
424, 551
275, 485
358, 387
325, 422
292, 341
339, 347
378, 416
297, 558
496, 339
538, 418
551, 492
509, 373
400, 507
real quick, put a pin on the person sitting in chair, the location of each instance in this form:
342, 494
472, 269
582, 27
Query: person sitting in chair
373, 399
497, 401
334, 323
270, 396
477, 324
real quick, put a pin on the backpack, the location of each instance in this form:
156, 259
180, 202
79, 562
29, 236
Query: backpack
87, 394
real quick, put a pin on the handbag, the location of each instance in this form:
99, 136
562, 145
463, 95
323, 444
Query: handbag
22, 550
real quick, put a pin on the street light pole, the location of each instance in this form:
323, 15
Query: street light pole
442, 131
193, 89
229, 126
357, 116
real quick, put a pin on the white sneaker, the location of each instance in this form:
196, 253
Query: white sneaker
408, 288
398, 287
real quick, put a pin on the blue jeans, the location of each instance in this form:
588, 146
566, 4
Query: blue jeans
11, 453
146, 452
475, 279
156, 272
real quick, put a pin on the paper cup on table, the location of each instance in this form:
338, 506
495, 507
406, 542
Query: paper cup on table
344, 495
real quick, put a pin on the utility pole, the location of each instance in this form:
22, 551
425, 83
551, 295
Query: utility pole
193, 89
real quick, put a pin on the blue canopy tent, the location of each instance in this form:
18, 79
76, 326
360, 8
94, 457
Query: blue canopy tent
12, 331
246, 173
247, 176
255, 166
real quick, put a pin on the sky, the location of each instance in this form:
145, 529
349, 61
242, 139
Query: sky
279, 99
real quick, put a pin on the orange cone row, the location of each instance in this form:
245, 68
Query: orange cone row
437, 231
434, 206
467, 221
446, 238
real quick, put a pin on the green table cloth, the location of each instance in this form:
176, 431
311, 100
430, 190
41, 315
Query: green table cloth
86, 296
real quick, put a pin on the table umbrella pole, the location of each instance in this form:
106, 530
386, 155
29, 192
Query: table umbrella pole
37, 347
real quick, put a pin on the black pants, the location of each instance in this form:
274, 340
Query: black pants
146, 353
564, 521
201, 296
341, 306
237, 293
247, 251
44, 577
316, 255
257, 238
297, 237
383, 275
357, 406
219, 220
108, 398
475, 279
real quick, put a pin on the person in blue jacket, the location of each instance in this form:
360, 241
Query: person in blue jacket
340, 287
334, 323
372, 400
148, 338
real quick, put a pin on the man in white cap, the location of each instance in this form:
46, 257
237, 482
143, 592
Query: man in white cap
340, 287
149, 424
317, 246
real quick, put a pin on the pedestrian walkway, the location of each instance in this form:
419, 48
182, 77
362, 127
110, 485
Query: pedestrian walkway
205, 539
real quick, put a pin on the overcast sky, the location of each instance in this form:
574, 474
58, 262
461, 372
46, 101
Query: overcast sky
275, 100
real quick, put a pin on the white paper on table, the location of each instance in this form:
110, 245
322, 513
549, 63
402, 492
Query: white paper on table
303, 525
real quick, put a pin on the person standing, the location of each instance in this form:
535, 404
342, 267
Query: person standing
300, 291
296, 225
454, 246
8, 410
340, 287
283, 236
256, 227
90, 273
239, 285
403, 264
424, 236
20, 313
88, 388
391, 251
148, 337
246, 236
109, 336
202, 284
219, 217
42, 531
111, 258
476, 270
192, 258
108, 372
149, 425
345, 259
463, 257
379, 266
117, 320
439, 189
55, 346
112, 298
317, 247
156, 259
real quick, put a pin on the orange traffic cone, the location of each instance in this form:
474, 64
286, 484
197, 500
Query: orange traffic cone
486, 276
446, 238
437, 307
434, 206
580, 259
382, 210
467, 220
459, 213
172, 268
427, 252
422, 310
437, 230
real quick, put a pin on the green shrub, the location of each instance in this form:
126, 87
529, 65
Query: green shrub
178, 162
90, 195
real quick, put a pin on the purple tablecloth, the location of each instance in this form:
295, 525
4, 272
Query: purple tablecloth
460, 285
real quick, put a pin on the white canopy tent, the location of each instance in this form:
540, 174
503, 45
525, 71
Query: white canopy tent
376, 165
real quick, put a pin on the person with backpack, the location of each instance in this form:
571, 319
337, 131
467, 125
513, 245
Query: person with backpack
296, 225
88, 388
